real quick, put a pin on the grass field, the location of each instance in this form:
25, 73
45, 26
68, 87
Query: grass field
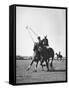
23, 76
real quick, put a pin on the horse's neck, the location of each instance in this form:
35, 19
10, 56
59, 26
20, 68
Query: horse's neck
56, 54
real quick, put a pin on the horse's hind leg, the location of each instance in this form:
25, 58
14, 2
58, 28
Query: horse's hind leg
30, 65
42, 65
51, 64
47, 64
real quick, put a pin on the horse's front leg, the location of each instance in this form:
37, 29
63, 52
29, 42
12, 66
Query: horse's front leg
42, 64
30, 65
61, 58
36, 66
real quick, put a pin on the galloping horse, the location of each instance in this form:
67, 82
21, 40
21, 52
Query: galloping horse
43, 54
47, 53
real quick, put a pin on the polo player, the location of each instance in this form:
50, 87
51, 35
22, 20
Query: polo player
45, 42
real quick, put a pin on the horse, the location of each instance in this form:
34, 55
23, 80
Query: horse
43, 54
59, 56
48, 56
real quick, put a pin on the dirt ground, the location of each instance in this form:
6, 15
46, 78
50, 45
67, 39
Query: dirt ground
23, 76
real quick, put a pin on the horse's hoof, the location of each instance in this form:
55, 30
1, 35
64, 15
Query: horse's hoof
48, 70
42, 70
52, 69
35, 71
27, 69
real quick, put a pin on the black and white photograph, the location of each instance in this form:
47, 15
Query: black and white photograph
40, 44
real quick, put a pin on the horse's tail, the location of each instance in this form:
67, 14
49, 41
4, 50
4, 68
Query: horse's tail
51, 51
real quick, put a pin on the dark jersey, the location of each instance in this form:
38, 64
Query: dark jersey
40, 44
35, 46
45, 42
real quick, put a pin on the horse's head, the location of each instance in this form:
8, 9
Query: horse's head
56, 53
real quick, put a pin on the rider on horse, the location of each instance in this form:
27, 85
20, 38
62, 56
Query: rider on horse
45, 42
42, 54
36, 56
37, 47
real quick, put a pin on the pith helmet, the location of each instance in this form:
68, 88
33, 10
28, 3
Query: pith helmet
46, 36
38, 37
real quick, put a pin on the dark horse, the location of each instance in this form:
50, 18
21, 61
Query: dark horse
59, 56
43, 54
48, 55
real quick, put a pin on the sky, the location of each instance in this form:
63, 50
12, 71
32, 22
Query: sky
43, 21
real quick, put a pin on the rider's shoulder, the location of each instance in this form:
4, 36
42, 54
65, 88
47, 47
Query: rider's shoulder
36, 43
42, 40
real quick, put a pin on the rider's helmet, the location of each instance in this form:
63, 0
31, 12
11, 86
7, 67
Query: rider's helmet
38, 37
46, 37
59, 52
